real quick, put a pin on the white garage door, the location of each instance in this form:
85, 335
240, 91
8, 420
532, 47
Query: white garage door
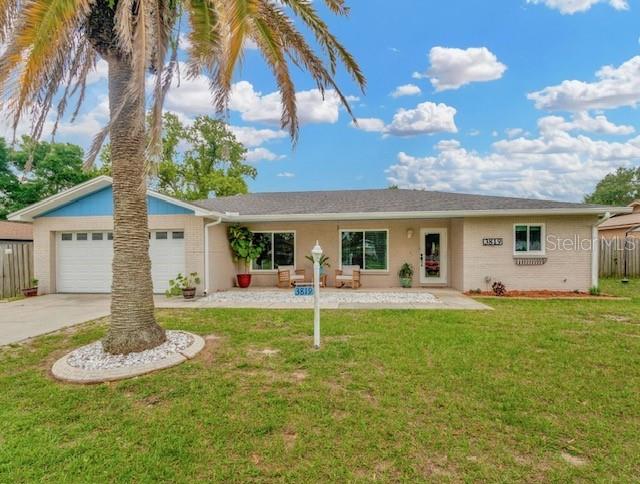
84, 260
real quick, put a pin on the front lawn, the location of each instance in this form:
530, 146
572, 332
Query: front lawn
535, 390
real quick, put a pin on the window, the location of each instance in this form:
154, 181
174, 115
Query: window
279, 250
109, 235
66, 237
97, 236
177, 235
528, 239
161, 235
365, 248
81, 236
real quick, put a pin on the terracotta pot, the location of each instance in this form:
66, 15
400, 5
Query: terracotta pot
244, 280
189, 293
30, 292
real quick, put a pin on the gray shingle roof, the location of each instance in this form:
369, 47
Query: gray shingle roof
372, 201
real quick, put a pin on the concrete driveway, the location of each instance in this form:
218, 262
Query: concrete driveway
31, 317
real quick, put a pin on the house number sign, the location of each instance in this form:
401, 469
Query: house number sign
492, 241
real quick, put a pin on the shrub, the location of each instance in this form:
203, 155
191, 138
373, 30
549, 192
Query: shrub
594, 290
499, 288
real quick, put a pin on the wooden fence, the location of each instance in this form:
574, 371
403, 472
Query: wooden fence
613, 255
16, 267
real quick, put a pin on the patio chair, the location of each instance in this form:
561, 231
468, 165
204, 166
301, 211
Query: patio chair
349, 275
288, 276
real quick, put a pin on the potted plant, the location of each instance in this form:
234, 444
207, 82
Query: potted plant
324, 262
406, 275
31, 291
185, 285
244, 249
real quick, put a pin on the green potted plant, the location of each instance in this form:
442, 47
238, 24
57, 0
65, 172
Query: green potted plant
31, 291
324, 262
406, 275
185, 285
244, 249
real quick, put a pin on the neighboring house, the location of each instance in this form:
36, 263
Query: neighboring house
15, 231
622, 225
453, 240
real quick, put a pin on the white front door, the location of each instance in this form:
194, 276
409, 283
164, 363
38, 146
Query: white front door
433, 256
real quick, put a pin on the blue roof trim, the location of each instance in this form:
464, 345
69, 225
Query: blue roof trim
100, 203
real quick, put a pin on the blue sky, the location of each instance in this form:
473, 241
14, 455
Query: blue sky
511, 97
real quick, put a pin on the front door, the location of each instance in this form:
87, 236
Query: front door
433, 256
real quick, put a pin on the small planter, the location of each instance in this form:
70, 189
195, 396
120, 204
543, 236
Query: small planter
30, 292
244, 280
406, 282
189, 293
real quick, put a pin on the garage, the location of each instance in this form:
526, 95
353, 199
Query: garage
83, 261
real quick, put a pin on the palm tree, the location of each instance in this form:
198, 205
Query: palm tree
52, 45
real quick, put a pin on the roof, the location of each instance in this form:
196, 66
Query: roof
15, 231
386, 203
624, 221
96, 184
336, 205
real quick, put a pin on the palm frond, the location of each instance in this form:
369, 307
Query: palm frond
204, 35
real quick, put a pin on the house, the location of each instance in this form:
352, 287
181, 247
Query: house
453, 240
622, 225
15, 232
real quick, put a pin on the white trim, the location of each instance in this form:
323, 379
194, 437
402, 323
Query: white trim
595, 257
444, 255
422, 214
363, 269
27, 214
273, 252
543, 240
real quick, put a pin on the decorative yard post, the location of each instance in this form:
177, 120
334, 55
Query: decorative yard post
316, 253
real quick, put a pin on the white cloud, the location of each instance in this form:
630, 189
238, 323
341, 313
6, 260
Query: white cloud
286, 174
100, 73
374, 125
583, 122
514, 132
262, 154
574, 6
615, 87
474, 132
252, 137
452, 68
406, 90
556, 164
425, 118
312, 108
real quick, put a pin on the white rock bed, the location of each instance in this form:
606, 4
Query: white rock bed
93, 357
326, 298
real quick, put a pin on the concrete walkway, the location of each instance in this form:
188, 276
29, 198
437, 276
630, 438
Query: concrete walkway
31, 317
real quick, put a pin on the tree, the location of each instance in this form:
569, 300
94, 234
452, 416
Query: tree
212, 163
618, 188
54, 167
55, 43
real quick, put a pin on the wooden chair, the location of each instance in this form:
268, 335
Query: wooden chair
288, 276
349, 275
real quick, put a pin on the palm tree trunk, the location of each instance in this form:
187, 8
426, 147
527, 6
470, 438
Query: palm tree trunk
133, 325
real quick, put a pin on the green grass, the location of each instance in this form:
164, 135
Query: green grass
618, 288
392, 395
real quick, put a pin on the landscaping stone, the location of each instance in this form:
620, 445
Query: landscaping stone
90, 364
328, 298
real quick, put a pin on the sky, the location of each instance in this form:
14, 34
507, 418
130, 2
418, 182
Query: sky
526, 98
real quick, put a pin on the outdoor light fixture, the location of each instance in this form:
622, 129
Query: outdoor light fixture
409, 233
316, 254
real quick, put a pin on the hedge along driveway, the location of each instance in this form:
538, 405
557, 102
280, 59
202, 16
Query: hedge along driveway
537, 390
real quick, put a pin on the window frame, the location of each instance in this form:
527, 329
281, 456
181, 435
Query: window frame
273, 252
528, 252
364, 259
